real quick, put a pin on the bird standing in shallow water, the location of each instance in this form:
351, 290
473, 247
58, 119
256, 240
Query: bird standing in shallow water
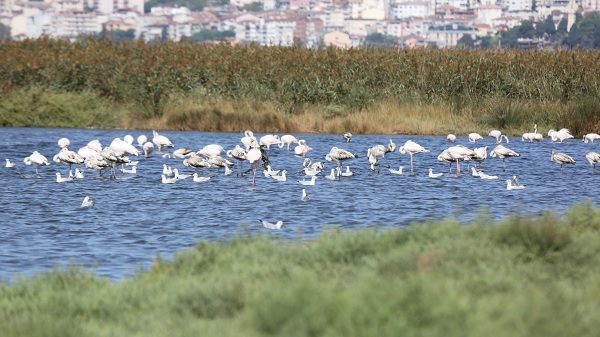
593, 158
561, 158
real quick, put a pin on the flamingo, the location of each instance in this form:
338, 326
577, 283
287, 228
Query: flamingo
347, 137
498, 135
503, 152
434, 175
160, 141
36, 159
339, 155
289, 140
457, 153
148, 148
142, 139
561, 158
196, 162
218, 161
451, 138
590, 137
253, 156
593, 158
304, 195
268, 140
248, 139
211, 150
87, 202
473, 137
301, 149
480, 154
412, 148
122, 147
560, 135
182, 152
269, 225
68, 157
64, 142
238, 154
95, 145
128, 139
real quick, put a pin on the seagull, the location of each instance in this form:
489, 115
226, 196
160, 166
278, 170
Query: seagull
412, 148
398, 171
269, 225
332, 175
510, 185
281, 177
228, 170
198, 179
87, 202
178, 176
474, 172
593, 158
339, 155
503, 152
304, 195
166, 180
561, 158
9, 163
310, 182
60, 179
78, 174
269, 172
347, 137
483, 175
434, 175
133, 170
346, 173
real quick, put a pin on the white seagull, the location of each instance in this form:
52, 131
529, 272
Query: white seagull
87, 202
398, 171
199, 179
510, 185
434, 175
332, 175
9, 163
60, 179
310, 182
166, 180
269, 225
304, 195
281, 177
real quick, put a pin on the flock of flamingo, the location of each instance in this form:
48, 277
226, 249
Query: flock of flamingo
255, 151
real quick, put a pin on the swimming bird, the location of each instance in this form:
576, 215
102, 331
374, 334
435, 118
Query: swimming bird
269, 225
483, 175
346, 173
178, 176
167, 170
228, 170
339, 156
319, 165
60, 179
78, 174
510, 185
590, 137
412, 148
503, 152
332, 175
160, 141
304, 195
9, 163
593, 158
310, 182
37, 159
473, 137
281, 177
167, 180
474, 172
198, 179
269, 172
398, 171
347, 137
64, 142
498, 135
561, 158
87, 202
287, 140
451, 138
133, 170
434, 175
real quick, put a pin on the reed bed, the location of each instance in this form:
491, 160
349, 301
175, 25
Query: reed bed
179, 85
525, 275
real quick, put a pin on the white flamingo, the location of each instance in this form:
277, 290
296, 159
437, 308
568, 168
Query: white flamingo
248, 139
412, 148
268, 140
561, 158
64, 142
211, 150
498, 136
503, 153
287, 140
473, 137
253, 157
37, 159
142, 139
347, 137
301, 149
451, 138
160, 141
590, 137
68, 157
560, 135
457, 154
182, 152
128, 139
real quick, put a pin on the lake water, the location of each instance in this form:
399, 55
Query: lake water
136, 217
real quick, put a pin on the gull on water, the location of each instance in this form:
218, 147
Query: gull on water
398, 171
511, 186
304, 195
167, 180
87, 202
9, 163
310, 182
332, 175
60, 179
281, 177
269, 225
434, 175
199, 179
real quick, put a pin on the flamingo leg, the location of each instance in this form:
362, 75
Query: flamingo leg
503, 165
457, 167
411, 164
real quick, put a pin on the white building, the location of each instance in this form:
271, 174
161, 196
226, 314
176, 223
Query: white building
266, 28
403, 10
75, 23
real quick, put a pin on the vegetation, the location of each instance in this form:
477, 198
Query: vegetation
212, 35
526, 275
287, 89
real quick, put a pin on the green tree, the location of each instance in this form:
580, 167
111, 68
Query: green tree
211, 35
4, 32
466, 41
545, 27
253, 7
379, 40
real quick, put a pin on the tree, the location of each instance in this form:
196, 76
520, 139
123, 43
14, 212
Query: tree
212, 35
466, 42
253, 7
379, 40
545, 28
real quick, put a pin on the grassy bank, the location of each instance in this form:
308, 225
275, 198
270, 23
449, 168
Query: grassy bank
184, 86
534, 275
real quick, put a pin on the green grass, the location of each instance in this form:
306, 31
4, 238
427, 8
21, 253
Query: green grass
526, 275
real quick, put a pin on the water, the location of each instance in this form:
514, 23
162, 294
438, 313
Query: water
136, 217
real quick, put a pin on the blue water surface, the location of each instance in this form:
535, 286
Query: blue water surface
136, 217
